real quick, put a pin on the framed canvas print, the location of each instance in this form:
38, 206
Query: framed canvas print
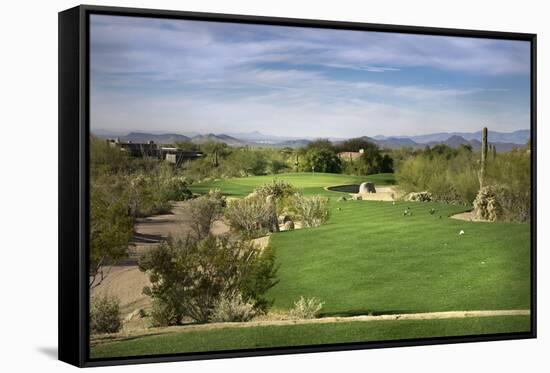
239, 186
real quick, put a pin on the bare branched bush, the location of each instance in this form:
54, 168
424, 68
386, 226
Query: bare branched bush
306, 308
251, 217
312, 211
231, 307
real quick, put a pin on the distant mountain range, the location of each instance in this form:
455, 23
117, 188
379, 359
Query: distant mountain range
454, 142
516, 137
229, 140
164, 138
502, 140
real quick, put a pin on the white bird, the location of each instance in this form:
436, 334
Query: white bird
461, 232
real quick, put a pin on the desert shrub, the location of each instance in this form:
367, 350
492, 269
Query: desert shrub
175, 188
510, 173
152, 193
419, 197
204, 210
306, 308
448, 175
251, 216
312, 211
105, 159
165, 313
277, 188
275, 166
189, 277
105, 314
452, 175
231, 307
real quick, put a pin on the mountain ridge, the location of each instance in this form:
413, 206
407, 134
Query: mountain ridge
452, 139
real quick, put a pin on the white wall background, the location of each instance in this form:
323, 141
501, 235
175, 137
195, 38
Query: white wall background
28, 185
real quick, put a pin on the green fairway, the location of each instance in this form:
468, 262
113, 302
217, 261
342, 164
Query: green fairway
299, 335
371, 258
308, 183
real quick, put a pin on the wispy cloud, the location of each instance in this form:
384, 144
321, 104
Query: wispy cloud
182, 75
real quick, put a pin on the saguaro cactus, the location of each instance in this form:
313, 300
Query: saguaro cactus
483, 157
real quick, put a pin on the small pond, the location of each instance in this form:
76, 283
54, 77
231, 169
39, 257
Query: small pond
350, 188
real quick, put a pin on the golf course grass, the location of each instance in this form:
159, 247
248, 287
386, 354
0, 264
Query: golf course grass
306, 182
300, 335
372, 258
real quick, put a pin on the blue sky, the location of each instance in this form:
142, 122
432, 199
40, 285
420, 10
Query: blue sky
161, 75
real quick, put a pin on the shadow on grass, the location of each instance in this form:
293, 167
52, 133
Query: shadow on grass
364, 312
114, 338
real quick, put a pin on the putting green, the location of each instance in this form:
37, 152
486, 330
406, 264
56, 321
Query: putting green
308, 183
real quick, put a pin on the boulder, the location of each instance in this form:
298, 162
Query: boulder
367, 187
284, 218
288, 225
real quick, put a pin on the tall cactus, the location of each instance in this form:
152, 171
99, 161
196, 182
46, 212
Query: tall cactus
483, 157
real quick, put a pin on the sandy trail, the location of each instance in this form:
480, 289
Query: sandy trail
324, 320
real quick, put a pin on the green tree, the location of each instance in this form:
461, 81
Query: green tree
321, 144
386, 164
355, 145
321, 160
215, 150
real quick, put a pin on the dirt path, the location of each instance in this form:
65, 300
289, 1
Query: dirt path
323, 320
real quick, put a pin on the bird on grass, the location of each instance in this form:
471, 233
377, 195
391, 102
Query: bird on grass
461, 232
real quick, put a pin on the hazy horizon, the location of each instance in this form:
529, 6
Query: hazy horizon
236, 133
178, 76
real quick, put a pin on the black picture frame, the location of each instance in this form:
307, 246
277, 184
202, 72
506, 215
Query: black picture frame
74, 187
